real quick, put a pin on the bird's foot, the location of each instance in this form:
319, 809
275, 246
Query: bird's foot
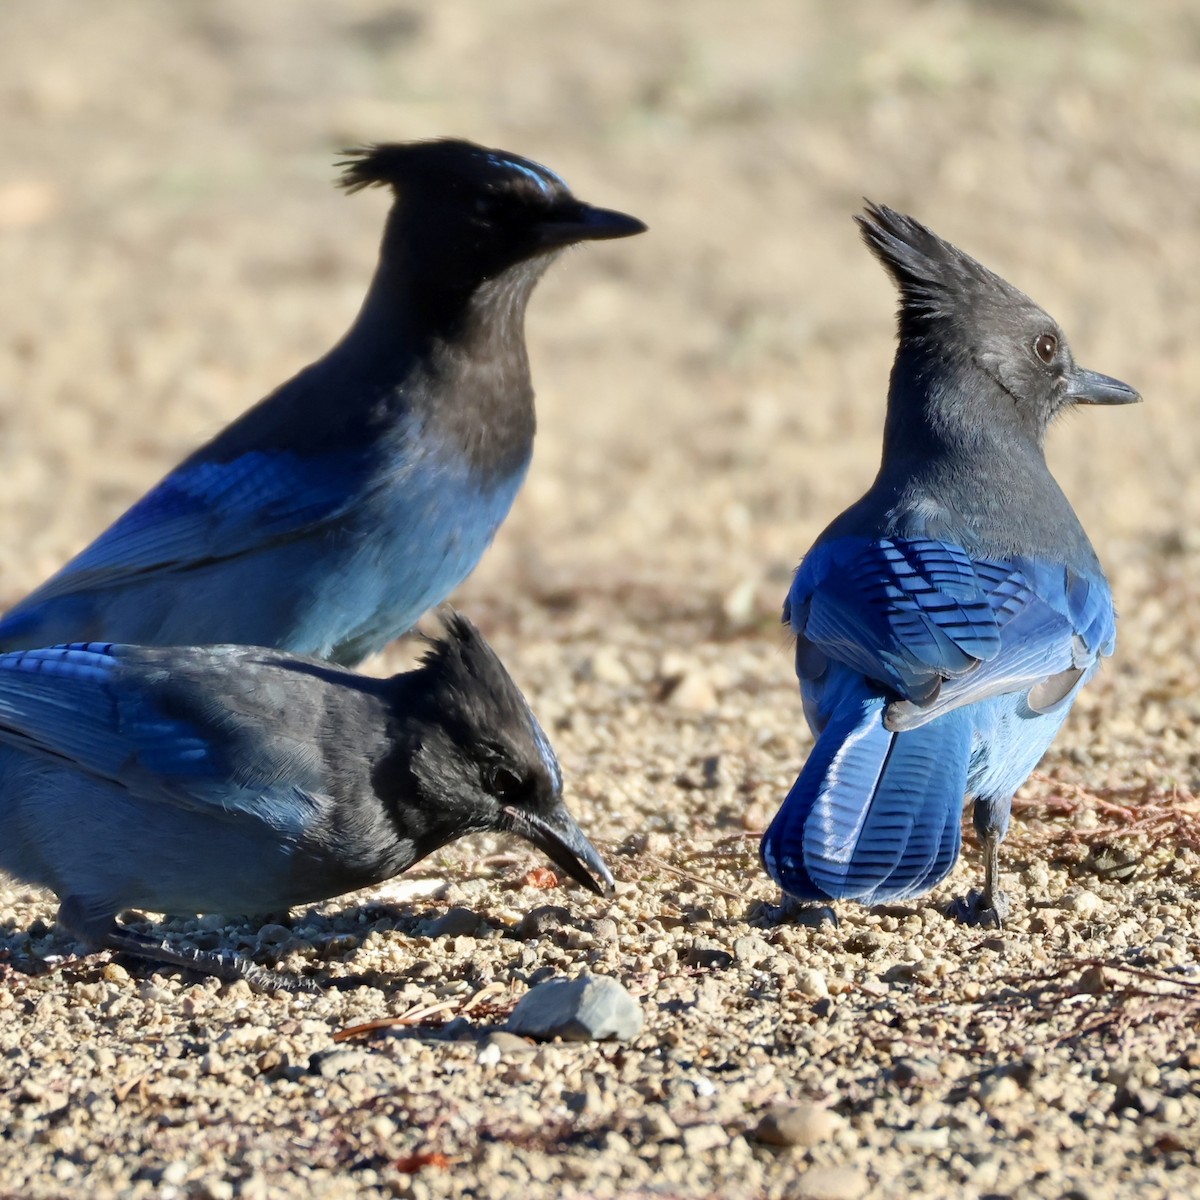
221, 964
980, 909
791, 911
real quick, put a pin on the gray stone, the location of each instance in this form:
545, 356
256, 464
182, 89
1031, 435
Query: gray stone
544, 919
752, 950
454, 922
590, 1008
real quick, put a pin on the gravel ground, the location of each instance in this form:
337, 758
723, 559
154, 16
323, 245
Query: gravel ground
710, 395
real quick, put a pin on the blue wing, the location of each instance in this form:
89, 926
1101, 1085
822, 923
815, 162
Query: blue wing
905, 647
117, 713
207, 511
923, 620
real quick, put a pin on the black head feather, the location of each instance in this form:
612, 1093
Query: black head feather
937, 281
450, 164
476, 758
463, 677
466, 215
976, 355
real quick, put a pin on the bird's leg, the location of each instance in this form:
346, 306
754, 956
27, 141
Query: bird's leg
993, 900
991, 906
220, 963
94, 923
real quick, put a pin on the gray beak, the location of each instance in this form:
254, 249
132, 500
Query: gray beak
587, 224
562, 841
1090, 387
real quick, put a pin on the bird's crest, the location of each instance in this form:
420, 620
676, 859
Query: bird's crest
469, 679
446, 161
936, 279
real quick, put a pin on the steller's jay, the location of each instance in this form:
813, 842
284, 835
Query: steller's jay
946, 621
237, 779
329, 517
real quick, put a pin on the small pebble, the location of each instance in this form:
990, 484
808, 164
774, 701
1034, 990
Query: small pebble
657, 1125
924, 1141
1082, 903
175, 1173
830, 1183
542, 920
811, 982
997, 1091
693, 693
697, 1139
606, 667
706, 953
751, 950
803, 1124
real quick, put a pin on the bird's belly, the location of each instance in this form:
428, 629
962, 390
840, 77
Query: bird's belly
1009, 742
406, 553
85, 837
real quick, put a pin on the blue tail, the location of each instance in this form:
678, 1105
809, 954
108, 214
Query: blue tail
874, 816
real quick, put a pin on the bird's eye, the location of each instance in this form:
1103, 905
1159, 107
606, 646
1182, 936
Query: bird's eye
503, 783
1046, 347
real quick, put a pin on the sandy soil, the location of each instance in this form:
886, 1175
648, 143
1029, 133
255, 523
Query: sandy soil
709, 396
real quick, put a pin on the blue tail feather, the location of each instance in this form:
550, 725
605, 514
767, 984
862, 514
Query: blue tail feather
875, 816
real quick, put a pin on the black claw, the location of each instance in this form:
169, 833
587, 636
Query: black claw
220, 964
979, 909
791, 911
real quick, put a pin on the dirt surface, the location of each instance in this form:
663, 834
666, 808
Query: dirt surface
709, 396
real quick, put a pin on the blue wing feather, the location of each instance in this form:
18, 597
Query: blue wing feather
907, 612
101, 709
939, 630
209, 510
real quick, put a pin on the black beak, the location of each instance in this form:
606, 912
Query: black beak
583, 223
1090, 387
562, 841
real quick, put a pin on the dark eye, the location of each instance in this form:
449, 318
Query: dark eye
503, 783
486, 207
1046, 347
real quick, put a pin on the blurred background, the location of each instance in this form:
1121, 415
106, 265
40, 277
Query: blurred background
710, 395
